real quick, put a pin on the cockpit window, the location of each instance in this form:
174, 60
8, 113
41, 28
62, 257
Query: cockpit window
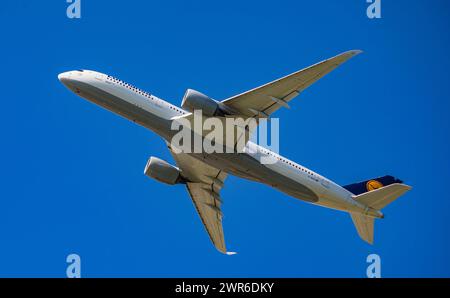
80, 70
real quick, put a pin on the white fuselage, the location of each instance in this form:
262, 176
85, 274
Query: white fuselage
157, 114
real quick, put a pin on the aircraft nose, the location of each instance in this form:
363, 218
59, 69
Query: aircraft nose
64, 77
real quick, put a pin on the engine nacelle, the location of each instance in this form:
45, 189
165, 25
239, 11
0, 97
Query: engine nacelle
194, 100
162, 171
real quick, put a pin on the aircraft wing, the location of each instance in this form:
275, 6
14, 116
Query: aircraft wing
266, 99
205, 183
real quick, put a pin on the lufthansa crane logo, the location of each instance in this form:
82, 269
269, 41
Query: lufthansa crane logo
373, 184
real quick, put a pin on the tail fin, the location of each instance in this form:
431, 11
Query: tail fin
375, 199
368, 185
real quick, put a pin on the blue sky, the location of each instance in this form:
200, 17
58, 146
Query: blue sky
72, 174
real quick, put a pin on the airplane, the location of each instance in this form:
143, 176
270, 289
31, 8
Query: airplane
204, 174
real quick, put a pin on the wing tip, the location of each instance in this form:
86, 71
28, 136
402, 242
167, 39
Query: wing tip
368, 240
352, 53
344, 56
230, 253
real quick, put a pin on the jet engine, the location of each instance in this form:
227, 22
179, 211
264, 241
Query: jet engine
194, 100
162, 171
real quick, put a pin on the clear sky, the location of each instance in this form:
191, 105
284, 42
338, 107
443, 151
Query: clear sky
72, 174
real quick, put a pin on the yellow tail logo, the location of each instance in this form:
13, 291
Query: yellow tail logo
373, 184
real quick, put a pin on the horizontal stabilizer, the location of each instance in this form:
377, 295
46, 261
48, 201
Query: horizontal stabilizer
381, 197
